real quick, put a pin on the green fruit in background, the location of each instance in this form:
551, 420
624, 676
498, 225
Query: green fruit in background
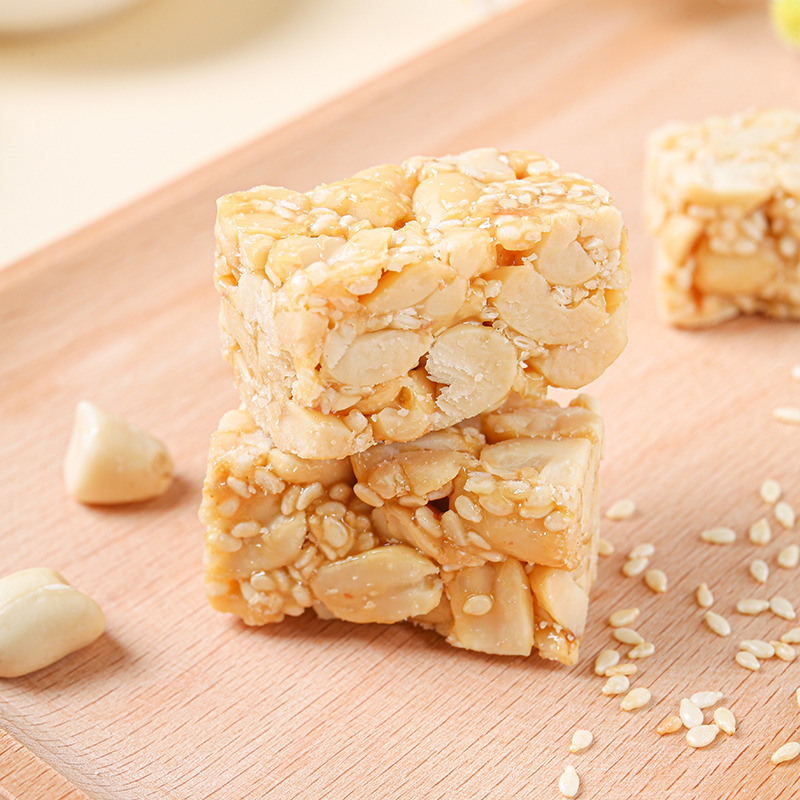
785, 16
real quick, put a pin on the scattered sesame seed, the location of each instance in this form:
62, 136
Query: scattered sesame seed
759, 570
701, 735
760, 533
628, 636
643, 650
785, 515
797, 696
783, 651
796, 372
781, 607
724, 720
465, 508
789, 557
623, 617
622, 669
477, 605
605, 660
581, 740
703, 596
719, 536
616, 684
370, 496
569, 782
621, 509
786, 752
706, 699
605, 548
770, 491
791, 636
751, 606
788, 415
717, 623
656, 580
747, 660
643, 550
636, 698
634, 566
670, 724
691, 716
758, 647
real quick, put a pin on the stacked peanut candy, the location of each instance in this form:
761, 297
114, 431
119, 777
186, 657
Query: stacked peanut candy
393, 337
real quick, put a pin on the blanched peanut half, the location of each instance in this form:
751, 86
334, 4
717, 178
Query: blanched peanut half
492, 609
563, 600
572, 366
427, 470
310, 433
412, 419
294, 469
283, 545
734, 274
375, 357
477, 366
446, 303
386, 584
448, 195
526, 302
470, 251
419, 529
560, 258
111, 461
405, 289
557, 462
678, 236
43, 619
546, 463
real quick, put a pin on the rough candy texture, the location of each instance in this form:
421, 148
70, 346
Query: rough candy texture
723, 202
408, 298
485, 532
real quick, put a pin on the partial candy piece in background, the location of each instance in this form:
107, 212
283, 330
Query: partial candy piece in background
722, 199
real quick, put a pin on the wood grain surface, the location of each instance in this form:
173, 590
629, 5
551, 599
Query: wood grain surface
180, 703
22, 775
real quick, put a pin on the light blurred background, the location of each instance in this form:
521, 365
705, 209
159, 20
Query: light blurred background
98, 113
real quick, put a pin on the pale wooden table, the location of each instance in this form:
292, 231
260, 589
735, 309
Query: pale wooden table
181, 703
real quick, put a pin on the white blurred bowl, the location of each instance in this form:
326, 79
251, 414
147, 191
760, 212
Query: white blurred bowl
17, 16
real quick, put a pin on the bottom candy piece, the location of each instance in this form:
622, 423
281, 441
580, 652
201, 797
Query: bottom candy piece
485, 532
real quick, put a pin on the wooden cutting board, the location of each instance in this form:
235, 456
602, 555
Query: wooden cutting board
178, 702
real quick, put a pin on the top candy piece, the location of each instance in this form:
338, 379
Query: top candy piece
408, 298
